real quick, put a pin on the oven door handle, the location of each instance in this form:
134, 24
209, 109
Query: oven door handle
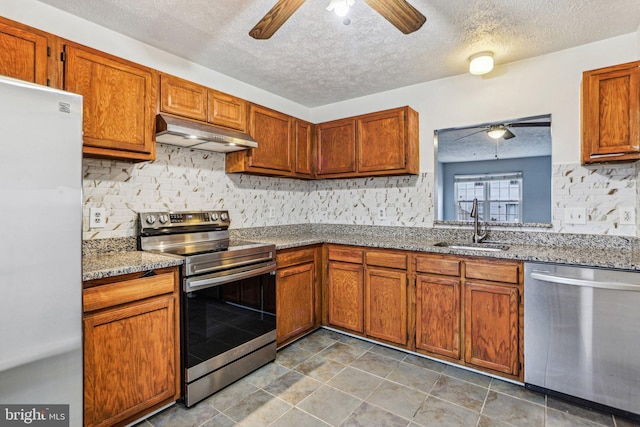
217, 279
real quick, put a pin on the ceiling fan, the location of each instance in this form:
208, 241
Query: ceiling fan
498, 131
398, 12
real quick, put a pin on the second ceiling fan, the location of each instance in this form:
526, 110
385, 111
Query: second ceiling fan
401, 14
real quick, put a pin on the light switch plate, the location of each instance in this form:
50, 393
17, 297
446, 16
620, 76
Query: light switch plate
382, 214
97, 217
575, 216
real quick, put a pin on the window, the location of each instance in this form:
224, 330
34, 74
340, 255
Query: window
498, 194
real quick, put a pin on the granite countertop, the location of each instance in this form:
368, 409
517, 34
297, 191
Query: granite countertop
624, 259
112, 257
111, 264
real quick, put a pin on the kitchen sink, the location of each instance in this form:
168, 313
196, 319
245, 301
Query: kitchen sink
491, 247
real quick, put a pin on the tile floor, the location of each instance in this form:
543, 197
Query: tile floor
328, 378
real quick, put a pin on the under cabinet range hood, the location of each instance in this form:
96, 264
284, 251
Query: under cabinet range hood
187, 133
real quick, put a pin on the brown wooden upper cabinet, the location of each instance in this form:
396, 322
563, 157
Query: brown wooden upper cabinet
119, 103
23, 52
382, 143
611, 114
187, 99
304, 149
337, 147
274, 133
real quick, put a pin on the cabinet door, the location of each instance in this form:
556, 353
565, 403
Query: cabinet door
119, 103
295, 300
611, 114
491, 327
273, 131
337, 147
345, 295
183, 98
386, 305
303, 148
228, 111
438, 315
23, 54
129, 355
381, 141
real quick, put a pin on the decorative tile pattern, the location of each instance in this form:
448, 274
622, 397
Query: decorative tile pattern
414, 394
181, 179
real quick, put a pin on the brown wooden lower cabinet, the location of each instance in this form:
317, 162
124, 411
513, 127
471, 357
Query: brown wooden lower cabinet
385, 304
298, 302
131, 346
491, 327
438, 315
469, 311
345, 290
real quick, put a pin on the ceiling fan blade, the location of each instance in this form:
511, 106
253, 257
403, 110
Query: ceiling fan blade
401, 14
274, 19
508, 135
467, 136
530, 125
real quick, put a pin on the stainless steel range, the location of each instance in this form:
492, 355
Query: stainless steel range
228, 299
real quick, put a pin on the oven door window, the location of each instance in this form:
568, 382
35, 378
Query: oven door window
223, 317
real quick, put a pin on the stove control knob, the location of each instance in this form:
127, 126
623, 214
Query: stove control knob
214, 216
163, 219
224, 216
151, 219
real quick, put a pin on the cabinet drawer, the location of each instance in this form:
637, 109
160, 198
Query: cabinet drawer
345, 254
494, 272
438, 265
295, 256
386, 259
125, 291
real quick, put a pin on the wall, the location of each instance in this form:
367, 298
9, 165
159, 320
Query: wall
547, 84
536, 183
184, 179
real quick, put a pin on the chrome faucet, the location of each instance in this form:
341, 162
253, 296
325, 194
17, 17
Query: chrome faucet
477, 237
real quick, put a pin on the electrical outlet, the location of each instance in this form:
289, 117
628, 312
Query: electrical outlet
97, 217
272, 213
382, 214
627, 216
575, 216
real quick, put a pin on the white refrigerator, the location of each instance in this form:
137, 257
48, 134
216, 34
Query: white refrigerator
40, 252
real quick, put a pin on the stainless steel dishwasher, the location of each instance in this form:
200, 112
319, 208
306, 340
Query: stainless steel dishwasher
582, 335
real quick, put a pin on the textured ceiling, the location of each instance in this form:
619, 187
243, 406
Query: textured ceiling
315, 60
472, 143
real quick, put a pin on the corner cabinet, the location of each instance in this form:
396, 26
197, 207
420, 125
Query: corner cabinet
119, 103
298, 302
382, 143
131, 333
611, 114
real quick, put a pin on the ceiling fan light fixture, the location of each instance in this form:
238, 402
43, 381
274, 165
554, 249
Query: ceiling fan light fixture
340, 7
481, 63
496, 131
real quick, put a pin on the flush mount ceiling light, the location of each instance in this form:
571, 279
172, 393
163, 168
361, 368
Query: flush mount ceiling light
496, 131
340, 7
481, 63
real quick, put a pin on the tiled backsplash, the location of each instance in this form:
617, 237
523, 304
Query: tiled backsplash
181, 179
